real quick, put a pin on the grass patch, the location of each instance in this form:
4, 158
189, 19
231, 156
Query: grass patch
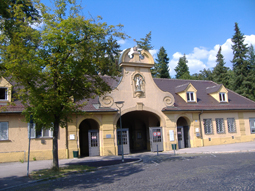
61, 172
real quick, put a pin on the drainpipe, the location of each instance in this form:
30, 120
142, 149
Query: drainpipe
201, 134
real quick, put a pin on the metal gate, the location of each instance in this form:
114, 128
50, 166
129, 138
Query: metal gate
156, 139
93, 136
125, 141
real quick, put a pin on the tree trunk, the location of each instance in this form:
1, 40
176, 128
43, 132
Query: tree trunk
55, 145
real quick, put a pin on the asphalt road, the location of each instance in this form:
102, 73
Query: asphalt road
234, 171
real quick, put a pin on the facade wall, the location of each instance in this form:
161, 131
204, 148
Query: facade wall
140, 93
242, 133
16, 147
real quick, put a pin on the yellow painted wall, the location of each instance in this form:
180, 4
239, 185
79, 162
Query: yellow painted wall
242, 133
17, 145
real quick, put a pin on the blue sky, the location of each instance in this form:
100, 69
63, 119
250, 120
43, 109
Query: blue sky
194, 27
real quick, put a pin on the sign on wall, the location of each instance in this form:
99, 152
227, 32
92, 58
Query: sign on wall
72, 137
171, 135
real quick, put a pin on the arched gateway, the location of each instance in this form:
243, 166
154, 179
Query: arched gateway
141, 132
89, 138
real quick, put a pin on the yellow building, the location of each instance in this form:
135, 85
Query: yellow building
155, 113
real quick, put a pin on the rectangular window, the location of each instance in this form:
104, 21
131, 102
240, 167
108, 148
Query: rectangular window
231, 125
222, 97
208, 126
40, 133
4, 130
3, 94
190, 96
220, 125
252, 125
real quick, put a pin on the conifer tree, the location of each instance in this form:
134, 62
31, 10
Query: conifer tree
161, 66
205, 74
251, 57
182, 69
220, 71
145, 43
244, 82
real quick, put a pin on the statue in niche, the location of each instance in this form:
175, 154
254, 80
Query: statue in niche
139, 83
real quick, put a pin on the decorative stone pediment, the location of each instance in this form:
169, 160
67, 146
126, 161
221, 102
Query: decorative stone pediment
135, 57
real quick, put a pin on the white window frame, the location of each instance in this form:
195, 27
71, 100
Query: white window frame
6, 94
1, 130
252, 125
189, 96
220, 126
33, 132
231, 125
208, 130
222, 96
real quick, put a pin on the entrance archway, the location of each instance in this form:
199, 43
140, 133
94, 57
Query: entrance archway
137, 124
183, 133
89, 138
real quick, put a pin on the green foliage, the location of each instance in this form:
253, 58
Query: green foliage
61, 172
58, 63
220, 71
9, 9
112, 56
251, 57
160, 69
244, 78
145, 43
182, 69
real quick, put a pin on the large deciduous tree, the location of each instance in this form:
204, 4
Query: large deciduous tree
220, 71
161, 66
244, 81
8, 12
57, 63
182, 69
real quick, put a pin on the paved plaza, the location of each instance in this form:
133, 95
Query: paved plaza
223, 167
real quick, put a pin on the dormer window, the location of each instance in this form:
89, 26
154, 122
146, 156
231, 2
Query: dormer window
3, 94
222, 97
218, 92
187, 92
190, 96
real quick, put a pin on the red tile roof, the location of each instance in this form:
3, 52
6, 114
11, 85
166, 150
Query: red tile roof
204, 100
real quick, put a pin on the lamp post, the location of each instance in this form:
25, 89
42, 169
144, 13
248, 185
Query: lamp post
119, 104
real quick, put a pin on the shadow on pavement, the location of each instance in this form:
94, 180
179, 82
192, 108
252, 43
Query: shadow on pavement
104, 163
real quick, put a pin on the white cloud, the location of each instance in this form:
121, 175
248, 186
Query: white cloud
201, 58
121, 41
154, 53
249, 39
